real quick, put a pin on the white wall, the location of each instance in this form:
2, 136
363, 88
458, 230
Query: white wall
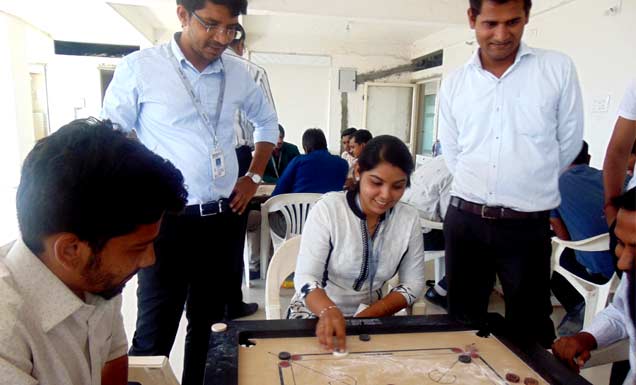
362, 64
362, 56
74, 87
601, 45
300, 86
603, 49
21, 45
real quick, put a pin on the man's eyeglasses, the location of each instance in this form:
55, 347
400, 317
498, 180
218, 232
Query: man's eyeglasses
232, 33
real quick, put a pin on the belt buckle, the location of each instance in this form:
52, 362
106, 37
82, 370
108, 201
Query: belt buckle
208, 214
483, 212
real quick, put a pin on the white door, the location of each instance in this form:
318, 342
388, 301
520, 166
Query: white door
391, 108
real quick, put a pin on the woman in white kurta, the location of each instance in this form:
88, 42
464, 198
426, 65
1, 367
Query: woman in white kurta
353, 242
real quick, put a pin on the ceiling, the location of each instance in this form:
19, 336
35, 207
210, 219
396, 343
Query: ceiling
307, 26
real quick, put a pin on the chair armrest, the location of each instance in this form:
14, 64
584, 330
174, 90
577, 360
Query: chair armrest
597, 243
431, 225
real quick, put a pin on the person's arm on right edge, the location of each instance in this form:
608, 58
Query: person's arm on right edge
615, 164
609, 326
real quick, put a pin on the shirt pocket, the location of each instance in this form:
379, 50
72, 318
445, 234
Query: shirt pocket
533, 117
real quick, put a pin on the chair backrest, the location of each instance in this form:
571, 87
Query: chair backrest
595, 295
283, 263
295, 208
151, 370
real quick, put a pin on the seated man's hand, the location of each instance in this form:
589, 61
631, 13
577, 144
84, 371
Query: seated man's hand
330, 323
574, 351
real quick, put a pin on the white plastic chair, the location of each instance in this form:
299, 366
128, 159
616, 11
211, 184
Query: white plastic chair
437, 256
595, 295
151, 370
282, 265
295, 208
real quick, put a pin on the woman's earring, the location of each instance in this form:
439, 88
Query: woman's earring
357, 179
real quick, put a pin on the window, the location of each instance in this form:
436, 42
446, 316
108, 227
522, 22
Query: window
389, 108
427, 116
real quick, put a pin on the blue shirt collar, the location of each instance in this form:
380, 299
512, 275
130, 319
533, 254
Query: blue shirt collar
214, 67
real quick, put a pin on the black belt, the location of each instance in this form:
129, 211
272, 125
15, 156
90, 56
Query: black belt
495, 212
209, 208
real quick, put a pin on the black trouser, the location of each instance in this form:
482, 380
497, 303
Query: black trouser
518, 252
194, 262
235, 300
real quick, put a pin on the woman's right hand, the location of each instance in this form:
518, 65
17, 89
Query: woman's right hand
331, 322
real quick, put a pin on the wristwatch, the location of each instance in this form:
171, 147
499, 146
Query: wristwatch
254, 177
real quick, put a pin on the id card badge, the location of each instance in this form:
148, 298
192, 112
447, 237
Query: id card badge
218, 163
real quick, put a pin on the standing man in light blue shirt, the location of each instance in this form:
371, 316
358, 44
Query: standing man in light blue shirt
181, 99
511, 119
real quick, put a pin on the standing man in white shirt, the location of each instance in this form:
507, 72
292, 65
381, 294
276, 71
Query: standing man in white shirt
83, 235
616, 322
511, 119
623, 142
181, 99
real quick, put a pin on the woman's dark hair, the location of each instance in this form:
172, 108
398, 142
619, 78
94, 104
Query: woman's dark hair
281, 131
348, 132
362, 136
236, 7
314, 139
475, 5
386, 148
92, 181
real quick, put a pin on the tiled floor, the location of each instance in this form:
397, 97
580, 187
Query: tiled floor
597, 376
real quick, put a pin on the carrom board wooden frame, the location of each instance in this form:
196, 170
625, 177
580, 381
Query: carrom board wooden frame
223, 355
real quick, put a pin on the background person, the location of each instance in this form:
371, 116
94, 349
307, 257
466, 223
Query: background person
358, 140
315, 172
282, 155
345, 136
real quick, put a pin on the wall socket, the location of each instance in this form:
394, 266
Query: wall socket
600, 104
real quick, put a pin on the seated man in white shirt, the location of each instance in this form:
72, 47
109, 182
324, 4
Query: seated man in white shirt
616, 322
430, 193
89, 206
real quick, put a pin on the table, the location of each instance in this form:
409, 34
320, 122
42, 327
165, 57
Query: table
402, 350
263, 193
